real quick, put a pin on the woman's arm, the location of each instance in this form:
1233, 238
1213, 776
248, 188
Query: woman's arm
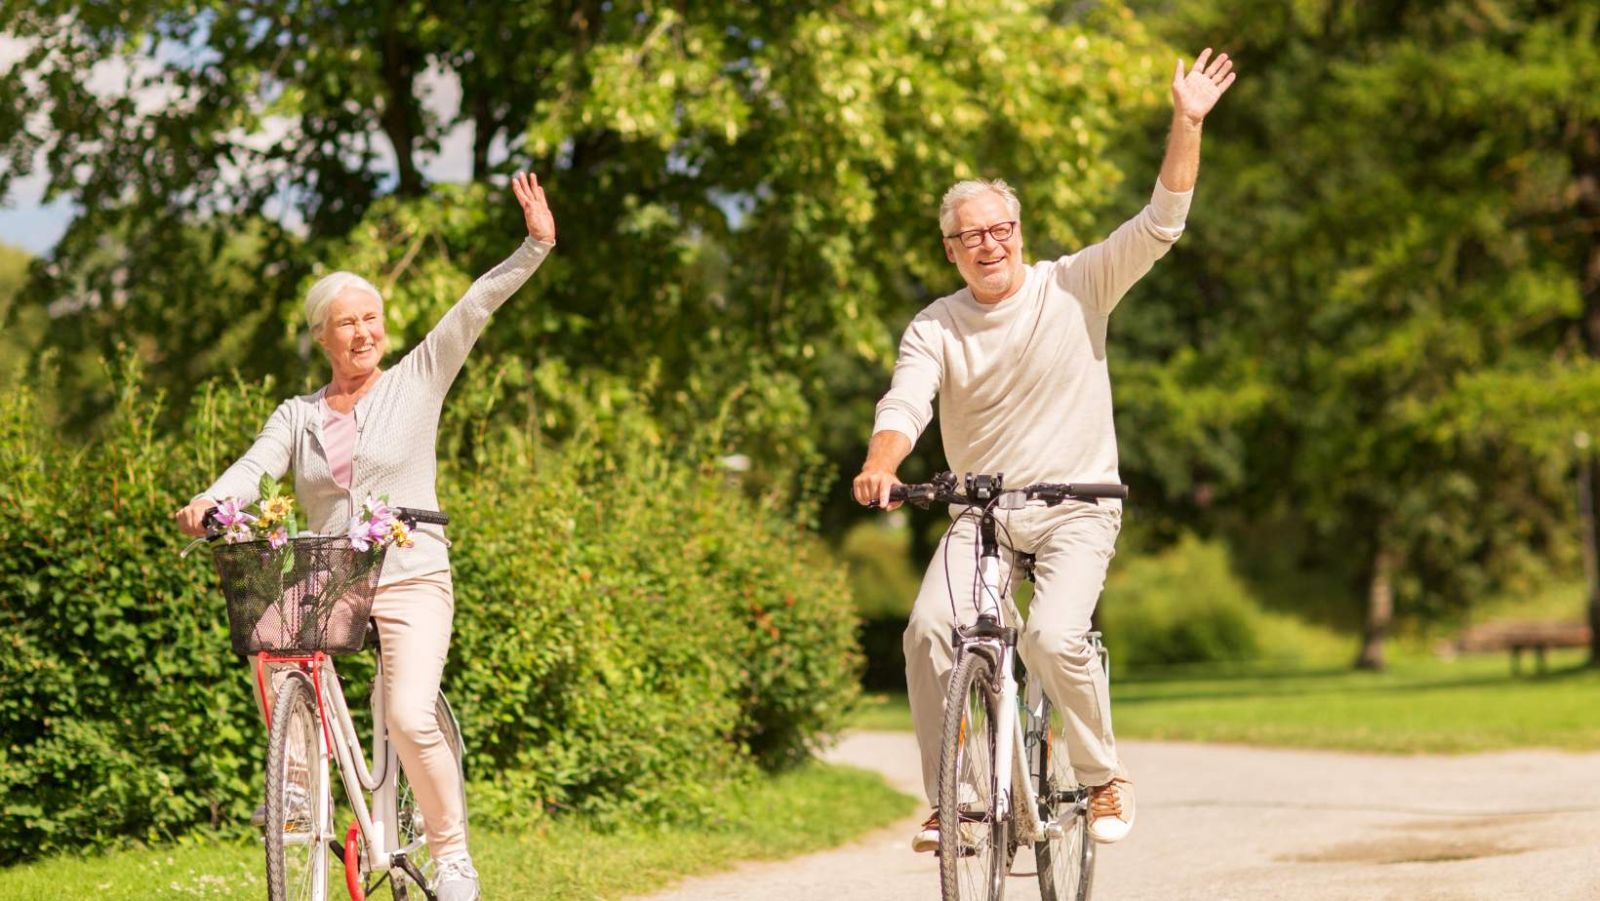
270, 455
438, 358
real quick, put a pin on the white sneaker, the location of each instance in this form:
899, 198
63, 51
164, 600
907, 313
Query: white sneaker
1111, 811
455, 879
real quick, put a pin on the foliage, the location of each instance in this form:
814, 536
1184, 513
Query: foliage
609, 663
17, 339
1372, 329
745, 192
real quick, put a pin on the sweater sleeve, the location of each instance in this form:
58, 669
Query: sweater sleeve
437, 360
908, 407
270, 455
1102, 273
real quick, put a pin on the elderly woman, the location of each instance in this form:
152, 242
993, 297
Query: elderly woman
371, 432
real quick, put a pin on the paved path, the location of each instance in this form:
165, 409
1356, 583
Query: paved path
1223, 822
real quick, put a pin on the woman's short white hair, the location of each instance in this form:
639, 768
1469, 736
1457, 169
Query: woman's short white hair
962, 191
322, 294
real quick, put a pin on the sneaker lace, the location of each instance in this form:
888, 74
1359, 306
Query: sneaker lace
454, 868
1106, 800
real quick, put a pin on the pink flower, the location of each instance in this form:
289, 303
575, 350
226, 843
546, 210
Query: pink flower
238, 533
231, 513
278, 538
359, 533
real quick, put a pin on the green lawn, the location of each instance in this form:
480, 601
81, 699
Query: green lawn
814, 807
1421, 705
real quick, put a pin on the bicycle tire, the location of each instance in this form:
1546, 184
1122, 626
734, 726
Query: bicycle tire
409, 820
1065, 864
966, 759
297, 797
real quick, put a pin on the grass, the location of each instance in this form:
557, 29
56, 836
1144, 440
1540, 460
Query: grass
1421, 705
814, 807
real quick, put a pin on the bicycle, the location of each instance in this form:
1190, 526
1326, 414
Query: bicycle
292, 632
1013, 786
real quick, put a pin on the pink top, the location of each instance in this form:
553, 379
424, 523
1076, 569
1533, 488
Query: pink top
339, 442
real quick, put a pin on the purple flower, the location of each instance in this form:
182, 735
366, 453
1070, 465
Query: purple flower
278, 538
231, 513
360, 534
238, 533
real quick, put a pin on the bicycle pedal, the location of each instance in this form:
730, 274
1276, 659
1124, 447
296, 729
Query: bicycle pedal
1053, 829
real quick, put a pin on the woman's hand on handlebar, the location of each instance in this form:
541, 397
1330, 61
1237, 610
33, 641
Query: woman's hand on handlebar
871, 488
191, 519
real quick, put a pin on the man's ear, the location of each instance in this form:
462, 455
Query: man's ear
949, 253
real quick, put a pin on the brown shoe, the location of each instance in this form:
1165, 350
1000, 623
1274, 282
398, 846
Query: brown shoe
1111, 811
927, 837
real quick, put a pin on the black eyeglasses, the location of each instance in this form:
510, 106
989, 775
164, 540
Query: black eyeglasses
972, 237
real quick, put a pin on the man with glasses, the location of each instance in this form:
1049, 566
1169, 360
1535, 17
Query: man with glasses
1018, 361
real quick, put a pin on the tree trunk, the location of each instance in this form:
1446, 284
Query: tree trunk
1591, 549
1380, 610
1586, 167
484, 128
401, 112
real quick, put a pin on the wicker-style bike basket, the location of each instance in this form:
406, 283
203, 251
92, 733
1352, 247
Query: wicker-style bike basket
312, 594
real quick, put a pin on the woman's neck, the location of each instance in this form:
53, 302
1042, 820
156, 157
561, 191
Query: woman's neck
344, 390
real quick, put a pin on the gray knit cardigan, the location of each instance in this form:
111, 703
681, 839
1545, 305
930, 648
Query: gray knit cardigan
397, 429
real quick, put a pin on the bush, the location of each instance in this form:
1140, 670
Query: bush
632, 632
1182, 606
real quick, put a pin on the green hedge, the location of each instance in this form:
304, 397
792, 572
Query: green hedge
633, 633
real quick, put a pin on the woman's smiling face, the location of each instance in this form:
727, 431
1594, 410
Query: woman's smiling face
352, 335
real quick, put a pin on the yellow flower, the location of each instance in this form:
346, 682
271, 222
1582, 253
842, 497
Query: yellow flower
276, 508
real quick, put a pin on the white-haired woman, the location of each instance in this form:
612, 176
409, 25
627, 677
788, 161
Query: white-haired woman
372, 432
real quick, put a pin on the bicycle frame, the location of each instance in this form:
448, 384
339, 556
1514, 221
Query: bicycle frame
1014, 792
378, 824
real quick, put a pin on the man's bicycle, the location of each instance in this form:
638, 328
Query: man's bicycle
292, 620
1002, 782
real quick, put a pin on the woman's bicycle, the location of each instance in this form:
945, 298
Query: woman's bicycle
292, 620
1002, 782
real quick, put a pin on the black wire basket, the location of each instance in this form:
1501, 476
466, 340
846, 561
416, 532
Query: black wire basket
311, 594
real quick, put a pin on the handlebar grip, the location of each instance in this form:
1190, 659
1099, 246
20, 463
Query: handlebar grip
898, 493
1102, 489
415, 516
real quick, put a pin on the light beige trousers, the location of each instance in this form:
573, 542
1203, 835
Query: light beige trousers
1073, 544
414, 620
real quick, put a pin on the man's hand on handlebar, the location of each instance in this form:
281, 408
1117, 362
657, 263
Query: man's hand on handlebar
871, 489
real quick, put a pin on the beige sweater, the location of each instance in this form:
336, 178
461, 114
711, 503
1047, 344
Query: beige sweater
397, 428
1022, 384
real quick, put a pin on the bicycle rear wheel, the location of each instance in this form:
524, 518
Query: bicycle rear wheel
411, 824
297, 797
1066, 858
973, 841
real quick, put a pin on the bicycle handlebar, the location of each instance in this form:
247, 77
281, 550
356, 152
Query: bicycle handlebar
942, 490
411, 516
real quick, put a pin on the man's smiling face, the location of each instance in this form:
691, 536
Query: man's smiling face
992, 269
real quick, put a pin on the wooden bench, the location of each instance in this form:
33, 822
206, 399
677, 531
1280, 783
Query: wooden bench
1520, 635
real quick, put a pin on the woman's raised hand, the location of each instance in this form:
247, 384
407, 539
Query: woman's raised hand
535, 211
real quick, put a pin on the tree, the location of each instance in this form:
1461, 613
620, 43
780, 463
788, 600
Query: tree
746, 191
1399, 252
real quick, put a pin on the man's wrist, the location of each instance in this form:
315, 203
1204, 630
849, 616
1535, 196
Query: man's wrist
1181, 120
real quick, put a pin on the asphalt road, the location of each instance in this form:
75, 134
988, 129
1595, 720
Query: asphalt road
1223, 822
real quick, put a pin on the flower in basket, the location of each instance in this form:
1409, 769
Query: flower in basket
376, 526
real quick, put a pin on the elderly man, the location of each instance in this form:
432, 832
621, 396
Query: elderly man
1018, 361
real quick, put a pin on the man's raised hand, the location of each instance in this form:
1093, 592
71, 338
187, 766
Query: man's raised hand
1194, 93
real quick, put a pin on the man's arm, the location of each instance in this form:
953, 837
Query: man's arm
903, 413
1193, 96
1102, 273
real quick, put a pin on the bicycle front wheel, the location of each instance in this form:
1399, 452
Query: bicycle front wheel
412, 826
973, 842
1065, 855
297, 797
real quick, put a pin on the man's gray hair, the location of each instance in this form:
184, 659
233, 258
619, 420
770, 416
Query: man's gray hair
322, 294
962, 191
